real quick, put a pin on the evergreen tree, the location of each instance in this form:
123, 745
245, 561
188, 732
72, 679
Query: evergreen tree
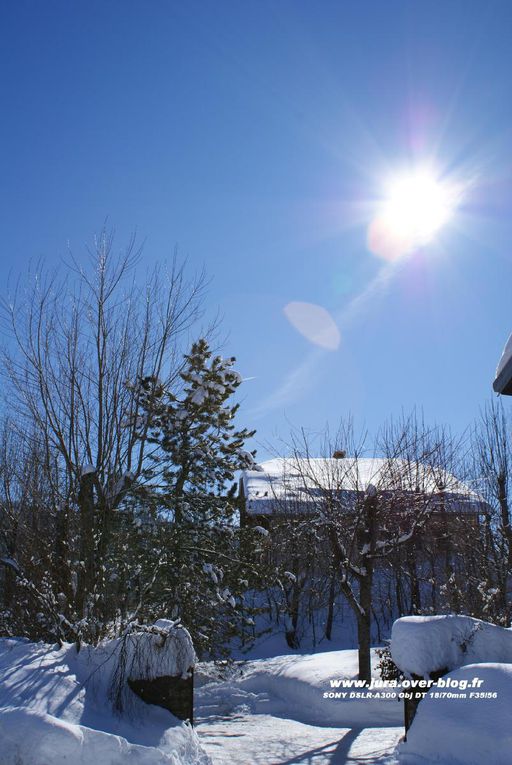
201, 559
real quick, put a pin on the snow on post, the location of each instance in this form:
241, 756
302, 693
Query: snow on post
156, 662
426, 645
164, 648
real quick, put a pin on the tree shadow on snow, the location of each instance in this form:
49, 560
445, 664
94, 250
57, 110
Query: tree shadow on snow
334, 753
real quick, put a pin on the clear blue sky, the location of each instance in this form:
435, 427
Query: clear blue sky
252, 135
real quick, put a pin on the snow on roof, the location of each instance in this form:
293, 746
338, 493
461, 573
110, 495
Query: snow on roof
290, 484
503, 381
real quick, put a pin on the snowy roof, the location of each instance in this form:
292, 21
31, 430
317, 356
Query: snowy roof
290, 484
503, 382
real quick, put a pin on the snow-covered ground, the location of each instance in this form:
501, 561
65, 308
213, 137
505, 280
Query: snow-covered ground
55, 710
273, 712
474, 729
270, 740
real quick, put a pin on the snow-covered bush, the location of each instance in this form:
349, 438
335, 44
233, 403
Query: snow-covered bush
386, 665
422, 645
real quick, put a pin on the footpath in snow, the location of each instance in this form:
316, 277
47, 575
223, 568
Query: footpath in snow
273, 712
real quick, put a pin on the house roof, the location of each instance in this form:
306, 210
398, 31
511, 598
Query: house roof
503, 382
285, 485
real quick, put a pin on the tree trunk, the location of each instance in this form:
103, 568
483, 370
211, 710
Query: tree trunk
291, 634
364, 623
61, 572
330, 607
415, 584
364, 620
87, 542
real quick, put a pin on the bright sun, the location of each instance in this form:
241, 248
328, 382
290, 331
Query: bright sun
415, 207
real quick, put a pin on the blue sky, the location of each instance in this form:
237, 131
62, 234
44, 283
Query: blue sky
255, 136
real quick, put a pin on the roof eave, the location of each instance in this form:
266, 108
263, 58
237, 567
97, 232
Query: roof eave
503, 382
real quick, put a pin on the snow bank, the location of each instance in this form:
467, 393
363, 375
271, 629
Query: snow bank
424, 644
299, 688
56, 704
35, 738
464, 731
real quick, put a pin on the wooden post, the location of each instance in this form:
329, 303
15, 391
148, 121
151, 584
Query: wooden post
173, 693
417, 695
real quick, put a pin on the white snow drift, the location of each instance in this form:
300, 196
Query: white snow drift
474, 730
424, 644
57, 704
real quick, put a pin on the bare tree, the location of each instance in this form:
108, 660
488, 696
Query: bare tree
492, 469
365, 510
77, 342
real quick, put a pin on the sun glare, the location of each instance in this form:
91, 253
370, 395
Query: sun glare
415, 207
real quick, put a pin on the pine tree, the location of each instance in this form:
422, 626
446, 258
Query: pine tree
201, 556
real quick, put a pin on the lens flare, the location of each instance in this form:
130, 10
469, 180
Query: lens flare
315, 323
415, 207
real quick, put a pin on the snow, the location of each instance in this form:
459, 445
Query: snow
291, 483
261, 530
235, 377
163, 649
55, 708
121, 484
296, 685
39, 739
199, 396
274, 711
266, 739
424, 644
249, 461
505, 357
301, 681
464, 731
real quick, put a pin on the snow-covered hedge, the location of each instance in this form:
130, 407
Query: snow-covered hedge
421, 645
143, 653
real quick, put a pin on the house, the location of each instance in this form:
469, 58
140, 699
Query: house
292, 487
300, 500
